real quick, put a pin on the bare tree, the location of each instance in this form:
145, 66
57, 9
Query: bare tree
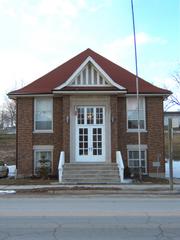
4, 119
11, 111
8, 114
174, 99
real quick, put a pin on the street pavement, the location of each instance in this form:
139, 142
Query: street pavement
89, 217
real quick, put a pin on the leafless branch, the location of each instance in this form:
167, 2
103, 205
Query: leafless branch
174, 99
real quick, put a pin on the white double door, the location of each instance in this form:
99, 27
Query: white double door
90, 134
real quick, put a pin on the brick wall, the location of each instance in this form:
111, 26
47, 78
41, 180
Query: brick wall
56, 138
114, 126
155, 127
58, 131
122, 133
26, 139
24, 136
60, 138
154, 137
66, 127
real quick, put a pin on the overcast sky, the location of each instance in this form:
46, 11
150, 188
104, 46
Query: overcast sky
39, 35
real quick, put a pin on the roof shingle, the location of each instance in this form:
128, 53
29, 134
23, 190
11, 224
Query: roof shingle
46, 83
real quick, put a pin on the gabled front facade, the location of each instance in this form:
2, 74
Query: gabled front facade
87, 107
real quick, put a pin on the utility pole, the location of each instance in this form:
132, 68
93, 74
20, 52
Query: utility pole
170, 137
137, 91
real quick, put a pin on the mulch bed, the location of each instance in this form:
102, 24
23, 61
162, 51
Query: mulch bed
40, 181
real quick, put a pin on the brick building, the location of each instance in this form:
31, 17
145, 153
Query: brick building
87, 107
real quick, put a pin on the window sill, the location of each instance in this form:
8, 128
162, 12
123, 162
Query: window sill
43, 131
136, 131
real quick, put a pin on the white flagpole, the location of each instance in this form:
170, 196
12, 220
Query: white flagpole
137, 90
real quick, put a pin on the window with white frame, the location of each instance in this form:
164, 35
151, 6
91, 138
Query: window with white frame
43, 156
134, 161
43, 114
132, 113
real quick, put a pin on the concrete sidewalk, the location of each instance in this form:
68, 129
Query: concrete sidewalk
93, 189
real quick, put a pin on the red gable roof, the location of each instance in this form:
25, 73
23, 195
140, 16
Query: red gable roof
61, 74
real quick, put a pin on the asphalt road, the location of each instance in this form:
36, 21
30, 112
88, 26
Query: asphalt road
89, 217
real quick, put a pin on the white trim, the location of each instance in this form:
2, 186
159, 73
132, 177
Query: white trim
86, 70
144, 111
29, 95
136, 130
88, 92
43, 131
34, 113
43, 147
90, 85
80, 68
12, 96
88, 81
98, 77
81, 77
133, 147
147, 94
89, 101
92, 75
90, 157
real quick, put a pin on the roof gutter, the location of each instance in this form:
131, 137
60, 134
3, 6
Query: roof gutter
56, 92
89, 92
148, 94
14, 96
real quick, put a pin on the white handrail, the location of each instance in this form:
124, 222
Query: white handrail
120, 165
61, 165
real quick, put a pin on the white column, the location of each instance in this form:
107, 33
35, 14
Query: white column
81, 78
92, 75
86, 75
98, 78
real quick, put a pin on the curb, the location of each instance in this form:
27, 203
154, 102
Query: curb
97, 191
92, 189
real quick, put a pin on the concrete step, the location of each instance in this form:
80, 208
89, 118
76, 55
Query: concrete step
90, 181
90, 173
84, 176
91, 166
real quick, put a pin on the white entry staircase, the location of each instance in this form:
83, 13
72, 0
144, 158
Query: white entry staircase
91, 173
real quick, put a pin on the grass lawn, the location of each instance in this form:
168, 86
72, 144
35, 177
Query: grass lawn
8, 148
5, 138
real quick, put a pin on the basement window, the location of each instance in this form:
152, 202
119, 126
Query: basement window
133, 158
43, 156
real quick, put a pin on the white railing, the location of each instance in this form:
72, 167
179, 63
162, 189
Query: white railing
120, 164
61, 165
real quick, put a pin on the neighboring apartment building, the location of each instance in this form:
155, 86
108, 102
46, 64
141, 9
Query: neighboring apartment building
87, 108
175, 116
